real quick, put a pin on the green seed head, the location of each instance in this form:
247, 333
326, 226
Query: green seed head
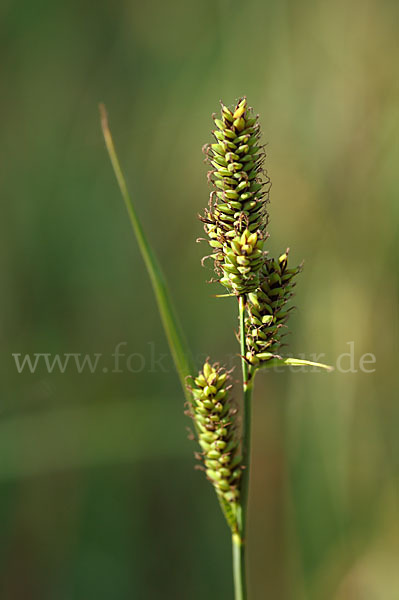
267, 311
216, 425
236, 219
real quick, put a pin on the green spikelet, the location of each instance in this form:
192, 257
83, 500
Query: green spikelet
267, 310
236, 218
215, 424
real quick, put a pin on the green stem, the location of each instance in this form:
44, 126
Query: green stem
239, 541
240, 592
174, 333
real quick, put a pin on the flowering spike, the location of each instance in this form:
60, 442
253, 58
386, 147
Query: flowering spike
236, 218
216, 426
267, 310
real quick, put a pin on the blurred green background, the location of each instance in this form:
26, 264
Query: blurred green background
99, 498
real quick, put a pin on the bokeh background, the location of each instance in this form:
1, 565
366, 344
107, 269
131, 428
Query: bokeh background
98, 495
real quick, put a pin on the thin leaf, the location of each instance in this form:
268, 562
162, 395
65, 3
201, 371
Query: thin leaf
293, 362
174, 333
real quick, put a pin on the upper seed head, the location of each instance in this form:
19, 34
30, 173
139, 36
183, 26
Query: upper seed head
236, 218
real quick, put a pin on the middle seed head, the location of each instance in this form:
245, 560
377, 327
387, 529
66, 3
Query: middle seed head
236, 218
267, 310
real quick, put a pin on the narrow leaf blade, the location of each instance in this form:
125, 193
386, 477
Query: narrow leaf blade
174, 333
293, 362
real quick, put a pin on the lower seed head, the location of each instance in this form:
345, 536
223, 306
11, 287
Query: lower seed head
217, 430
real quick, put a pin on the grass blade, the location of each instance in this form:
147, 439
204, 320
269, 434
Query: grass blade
294, 362
174, 333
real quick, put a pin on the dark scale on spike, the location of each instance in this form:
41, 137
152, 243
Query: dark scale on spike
236, 218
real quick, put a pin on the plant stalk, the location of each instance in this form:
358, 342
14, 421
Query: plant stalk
240, 590
239, 541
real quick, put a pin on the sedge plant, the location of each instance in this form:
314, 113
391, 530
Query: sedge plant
235, 222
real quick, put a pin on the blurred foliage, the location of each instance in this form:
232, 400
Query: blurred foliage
99, 498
